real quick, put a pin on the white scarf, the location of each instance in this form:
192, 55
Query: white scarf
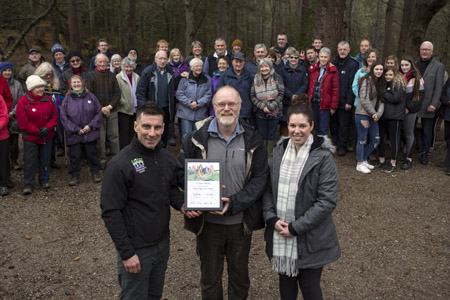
285, 250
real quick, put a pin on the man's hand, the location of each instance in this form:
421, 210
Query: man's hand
431, 108
224, 208
348, 106
132, 265
106, 110
332, 111
185, 74
191, 213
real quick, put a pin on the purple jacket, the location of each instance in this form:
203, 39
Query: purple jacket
77, 112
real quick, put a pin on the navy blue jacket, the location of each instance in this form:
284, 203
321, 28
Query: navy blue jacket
243, 85
347, 69
147, 87
295, 82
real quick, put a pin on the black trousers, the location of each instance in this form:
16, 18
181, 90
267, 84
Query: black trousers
76, 154
340, 127
36, 156
14, 147
447, 139
167, 122
393, 127
4, 162
126, 129
307, 279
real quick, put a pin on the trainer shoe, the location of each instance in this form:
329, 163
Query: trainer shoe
407, 165
74, 180
27, 191
4, 191
390, 168
362, 168
368, 166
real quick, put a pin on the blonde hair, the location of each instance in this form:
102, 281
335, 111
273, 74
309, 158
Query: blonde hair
399, 79
173, 52
46, 68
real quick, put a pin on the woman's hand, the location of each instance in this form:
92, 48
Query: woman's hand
283, 229
194, 105
375, 117
266, 110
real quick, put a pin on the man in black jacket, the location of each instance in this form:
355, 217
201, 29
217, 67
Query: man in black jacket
245, 174
139, 186
341, 120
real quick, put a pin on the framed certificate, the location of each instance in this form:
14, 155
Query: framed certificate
203, 184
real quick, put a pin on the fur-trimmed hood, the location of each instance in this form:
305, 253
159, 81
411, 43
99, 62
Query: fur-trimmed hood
322, 142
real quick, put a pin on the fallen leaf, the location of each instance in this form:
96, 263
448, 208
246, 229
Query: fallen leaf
28, 237
77, 258
427, 226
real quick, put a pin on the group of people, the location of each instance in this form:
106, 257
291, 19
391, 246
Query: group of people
232, 109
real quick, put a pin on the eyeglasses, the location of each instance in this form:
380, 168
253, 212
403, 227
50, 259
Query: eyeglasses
75, 60
230, 105
293, 57
424, 49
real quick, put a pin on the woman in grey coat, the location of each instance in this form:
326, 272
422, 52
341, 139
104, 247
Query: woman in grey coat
7, 71
300, 235
194, 95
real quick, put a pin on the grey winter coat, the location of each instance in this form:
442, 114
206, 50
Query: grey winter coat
16, 92
315, 201
434, 81
189, 91
366, 105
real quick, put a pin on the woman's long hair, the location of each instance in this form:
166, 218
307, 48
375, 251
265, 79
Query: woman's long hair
46, 68
398, 80
83, 85
418, 77
375, 85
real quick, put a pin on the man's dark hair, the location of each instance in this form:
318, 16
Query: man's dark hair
149, 108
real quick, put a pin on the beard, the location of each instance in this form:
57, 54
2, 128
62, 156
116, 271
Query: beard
227, 118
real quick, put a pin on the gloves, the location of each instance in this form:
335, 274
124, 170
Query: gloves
43, 132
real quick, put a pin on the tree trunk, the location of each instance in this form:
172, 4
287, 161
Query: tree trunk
221, 13
408, 7
348, 20
328, 22
91, 16
189, 31
234, 20
424, 12
262, 22
377, 29
306, 22
72, 14
388, 28
131, 22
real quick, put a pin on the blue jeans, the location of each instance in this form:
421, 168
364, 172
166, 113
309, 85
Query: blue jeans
147, 284
186, 128
321, 119
362, 153
267, 128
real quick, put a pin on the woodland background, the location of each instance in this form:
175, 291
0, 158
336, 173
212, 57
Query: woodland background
393, 26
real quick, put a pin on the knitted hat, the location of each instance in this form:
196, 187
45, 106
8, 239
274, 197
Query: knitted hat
5, 65
131, 48
237, 42
34, 81
57, 48
73, 54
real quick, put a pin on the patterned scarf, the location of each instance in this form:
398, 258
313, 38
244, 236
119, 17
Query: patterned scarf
285, 250
132, 85
266, 90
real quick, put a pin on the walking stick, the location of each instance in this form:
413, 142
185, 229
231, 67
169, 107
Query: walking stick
45, 165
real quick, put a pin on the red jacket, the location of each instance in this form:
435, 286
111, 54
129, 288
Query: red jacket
33, 113
6, 93
4, 120
329, 92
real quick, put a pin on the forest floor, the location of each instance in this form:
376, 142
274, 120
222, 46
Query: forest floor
393, 230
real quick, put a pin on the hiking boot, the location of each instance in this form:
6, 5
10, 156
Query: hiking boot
96, 176
74, 180
45, 185
27, 191
407, 165
424, 159
341, 152
4, 191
